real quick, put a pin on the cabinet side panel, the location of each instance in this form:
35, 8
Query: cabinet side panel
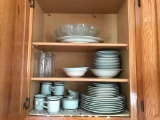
123, 37
38, 23
7, 24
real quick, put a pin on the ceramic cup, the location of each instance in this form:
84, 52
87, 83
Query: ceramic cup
38, 101
53, 104
58, 88
45, 88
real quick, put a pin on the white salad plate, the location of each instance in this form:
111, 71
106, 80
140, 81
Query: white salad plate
105, 58
111, 88
79, 39
107, 66
105, 84
110, 64
108, 55
108, 51
107, 61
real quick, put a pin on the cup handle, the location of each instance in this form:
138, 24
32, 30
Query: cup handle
43, 104
52, 88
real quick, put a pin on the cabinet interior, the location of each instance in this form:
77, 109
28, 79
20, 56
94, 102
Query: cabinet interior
113, 24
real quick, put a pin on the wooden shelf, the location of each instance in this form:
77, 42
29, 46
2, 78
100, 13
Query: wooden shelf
80, 79
75, 47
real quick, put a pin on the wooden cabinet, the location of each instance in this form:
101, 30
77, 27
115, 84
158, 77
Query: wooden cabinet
119, 22
116, 20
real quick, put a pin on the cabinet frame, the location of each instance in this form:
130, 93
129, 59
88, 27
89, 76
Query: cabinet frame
132, 62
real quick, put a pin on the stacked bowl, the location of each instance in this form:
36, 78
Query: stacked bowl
103, 98
107, 63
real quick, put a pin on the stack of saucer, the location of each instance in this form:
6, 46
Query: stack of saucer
103, 98
107, 59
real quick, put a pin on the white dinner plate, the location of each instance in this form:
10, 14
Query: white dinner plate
105, 84
108, 55
103, 110
79, 39
106, 63
120, 97
108, 52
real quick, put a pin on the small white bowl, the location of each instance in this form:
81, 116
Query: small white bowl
106, 73
75, 72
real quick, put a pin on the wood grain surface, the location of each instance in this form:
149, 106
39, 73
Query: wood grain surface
139, 61
77, 118
81, 6
19, 65
150, 58
132, 59
7, 24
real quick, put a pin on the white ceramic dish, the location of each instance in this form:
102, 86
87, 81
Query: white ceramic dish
106, 73
108, 52
103, 110
90, 101
108, 55
105, 58
104, 84
70, 102
75, 72
120, 97
107, 66
76, 68
79, 39
107, 63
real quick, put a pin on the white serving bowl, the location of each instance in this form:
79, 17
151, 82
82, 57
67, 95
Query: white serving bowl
75, 72
106, 73
77, 29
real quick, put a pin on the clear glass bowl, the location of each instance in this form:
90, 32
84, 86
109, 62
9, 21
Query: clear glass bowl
77, 29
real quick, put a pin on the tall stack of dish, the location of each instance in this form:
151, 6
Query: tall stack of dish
106, 63
103, 98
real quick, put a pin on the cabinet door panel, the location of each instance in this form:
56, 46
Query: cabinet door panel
150, 57
7, 21
19, 63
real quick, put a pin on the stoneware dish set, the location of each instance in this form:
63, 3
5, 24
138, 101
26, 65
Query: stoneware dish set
106, 65
55, 102
98, 98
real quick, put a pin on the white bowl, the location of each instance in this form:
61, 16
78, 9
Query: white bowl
106, 73
75, 72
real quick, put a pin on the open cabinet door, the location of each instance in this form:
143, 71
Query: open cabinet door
150, 30
19, 100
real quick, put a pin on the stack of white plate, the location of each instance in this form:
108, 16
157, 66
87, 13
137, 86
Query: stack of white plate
107, 59
103, 98
79, 39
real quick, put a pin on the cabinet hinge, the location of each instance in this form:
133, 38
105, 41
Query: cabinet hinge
139, 2
142, 106
26, 104
32, 3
